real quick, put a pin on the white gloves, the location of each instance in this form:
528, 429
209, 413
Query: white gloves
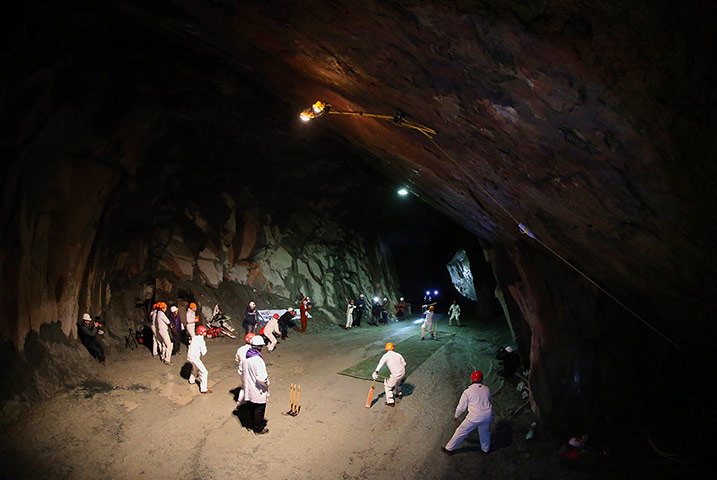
374, 375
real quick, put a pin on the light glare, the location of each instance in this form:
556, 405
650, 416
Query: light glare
403, 192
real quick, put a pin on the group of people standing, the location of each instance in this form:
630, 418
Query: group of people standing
167, 329
379, 311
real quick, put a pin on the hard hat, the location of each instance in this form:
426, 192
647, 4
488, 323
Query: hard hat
509, 349
162, 305
400, 299
193, 306
290, 309
257, 341
174, 308
248, 337
477, 376
431, 307
361, 295
276, 315
389, 346
201, 330
86, 316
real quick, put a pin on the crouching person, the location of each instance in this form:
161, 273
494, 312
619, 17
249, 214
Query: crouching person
475, 398
255, 382
197, 348
397, 366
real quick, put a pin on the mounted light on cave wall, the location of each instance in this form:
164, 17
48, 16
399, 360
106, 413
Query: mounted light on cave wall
402, 192
319, 109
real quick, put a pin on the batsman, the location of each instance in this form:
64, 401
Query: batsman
397, 366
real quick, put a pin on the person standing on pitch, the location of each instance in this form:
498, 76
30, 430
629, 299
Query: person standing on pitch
240, 358
429, 324
197, 348
453, 313
475, 398
303, 311
255, 383
360, 307
175, 325
270, 329
350, 315
400, 309
191, 320
251, 317
165, 342
397, 366
153, 327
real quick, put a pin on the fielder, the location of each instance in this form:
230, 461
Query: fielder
476, 398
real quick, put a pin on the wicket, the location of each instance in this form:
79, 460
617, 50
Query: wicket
294, 400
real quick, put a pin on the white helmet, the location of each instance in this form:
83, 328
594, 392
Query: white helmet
86, 316
509, 349
401, 299
257, 341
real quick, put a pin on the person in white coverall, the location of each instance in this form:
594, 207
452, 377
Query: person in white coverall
197, 348
453, 313
191, 320
153, 327
165, 340
255, 383
270, 329
429, 324
240, 358
475, 398
350, 315
397, 366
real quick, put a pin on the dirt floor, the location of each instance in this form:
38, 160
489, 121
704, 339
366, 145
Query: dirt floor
140, 419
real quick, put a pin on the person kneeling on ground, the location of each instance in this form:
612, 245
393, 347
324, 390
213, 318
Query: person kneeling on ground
476, 398
397, 366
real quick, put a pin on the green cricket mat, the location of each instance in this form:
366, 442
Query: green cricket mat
414, 350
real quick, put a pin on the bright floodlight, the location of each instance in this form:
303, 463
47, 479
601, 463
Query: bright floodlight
314, 111
435, 292
403, 192
375, 299
427, 292
399, 119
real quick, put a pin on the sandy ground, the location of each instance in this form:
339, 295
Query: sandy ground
140, 419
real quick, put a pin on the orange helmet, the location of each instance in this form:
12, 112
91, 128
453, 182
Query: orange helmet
276, 315
193, 306
162, 305
389, 346
431, 308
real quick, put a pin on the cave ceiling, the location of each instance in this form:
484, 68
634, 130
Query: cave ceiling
591, 123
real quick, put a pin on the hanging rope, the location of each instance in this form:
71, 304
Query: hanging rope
523, 229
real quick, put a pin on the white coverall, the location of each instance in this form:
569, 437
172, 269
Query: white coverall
453, 313
165, 340
191, 321
270, 329
197, 348
240, 357
350, 315
153, 327
397, 366
255, 380
476, 398
428, 324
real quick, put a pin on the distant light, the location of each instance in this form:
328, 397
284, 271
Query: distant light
375, 299
428, 292
435, 292
403, 192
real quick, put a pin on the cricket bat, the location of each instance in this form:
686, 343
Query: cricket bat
370, 394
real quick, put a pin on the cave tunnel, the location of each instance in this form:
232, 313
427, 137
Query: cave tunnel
154, 152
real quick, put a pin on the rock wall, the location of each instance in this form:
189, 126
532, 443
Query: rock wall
574, 338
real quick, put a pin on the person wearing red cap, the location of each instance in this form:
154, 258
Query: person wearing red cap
270, 329
475, 398
197, 348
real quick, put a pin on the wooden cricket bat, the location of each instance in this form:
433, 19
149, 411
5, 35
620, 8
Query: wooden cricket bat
370, 394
